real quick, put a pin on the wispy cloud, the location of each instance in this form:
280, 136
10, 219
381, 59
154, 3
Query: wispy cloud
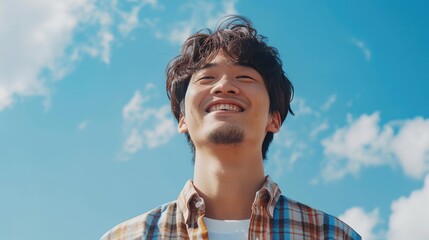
130, 19
202, 14
298, 138
83, 125
300, 107
320, 128
279, 163
363, 222
44, 47
409, 213
144, 125
329, 102
134, 141
361, 45
363, 143
293, 149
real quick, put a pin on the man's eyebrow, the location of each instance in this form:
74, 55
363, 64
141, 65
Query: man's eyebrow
211, 65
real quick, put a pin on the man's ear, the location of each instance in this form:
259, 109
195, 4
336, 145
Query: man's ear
182, 127
275, 122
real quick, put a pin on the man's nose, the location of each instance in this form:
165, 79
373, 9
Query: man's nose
225, 85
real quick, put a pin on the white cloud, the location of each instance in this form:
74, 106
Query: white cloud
133, 111
320, 128
408, 219
300, 107
146, 126
5, 97
134, 141
277, 164
294, 136
362, 222
228, 8
181, 32
363, 143
411, 146
163, 131
293, 149
106, 39
361, 45
39, 46
331, 100
131, 19
203, 14
33, 43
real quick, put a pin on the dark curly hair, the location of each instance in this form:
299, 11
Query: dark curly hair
236, 38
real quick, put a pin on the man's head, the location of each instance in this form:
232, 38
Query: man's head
236, 40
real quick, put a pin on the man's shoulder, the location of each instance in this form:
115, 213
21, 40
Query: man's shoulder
137, 227
285, 203
297, 215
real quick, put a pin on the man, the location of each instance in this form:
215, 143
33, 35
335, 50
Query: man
230, 95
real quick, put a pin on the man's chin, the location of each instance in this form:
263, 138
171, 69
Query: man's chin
226, 135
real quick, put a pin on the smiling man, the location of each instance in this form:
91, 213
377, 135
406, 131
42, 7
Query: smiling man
229, 93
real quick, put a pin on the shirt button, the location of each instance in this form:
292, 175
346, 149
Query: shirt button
199, 203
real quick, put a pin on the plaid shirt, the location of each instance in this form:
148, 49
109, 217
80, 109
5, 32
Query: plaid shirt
273, 217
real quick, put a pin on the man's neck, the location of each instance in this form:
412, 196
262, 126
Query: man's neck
228, 182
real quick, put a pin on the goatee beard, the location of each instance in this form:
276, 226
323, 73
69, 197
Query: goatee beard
226, 135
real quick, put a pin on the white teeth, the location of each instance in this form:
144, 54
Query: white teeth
225, 107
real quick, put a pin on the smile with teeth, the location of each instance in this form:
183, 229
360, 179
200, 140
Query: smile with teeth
225, 107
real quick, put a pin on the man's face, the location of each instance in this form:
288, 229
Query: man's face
227, 103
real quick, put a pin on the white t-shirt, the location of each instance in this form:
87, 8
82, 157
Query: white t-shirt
227, 229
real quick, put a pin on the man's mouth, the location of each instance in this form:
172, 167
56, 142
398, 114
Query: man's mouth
225, 107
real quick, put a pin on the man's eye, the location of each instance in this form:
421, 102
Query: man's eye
205, 78
246, 77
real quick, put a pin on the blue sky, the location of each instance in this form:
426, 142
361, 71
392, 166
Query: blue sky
87, 139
